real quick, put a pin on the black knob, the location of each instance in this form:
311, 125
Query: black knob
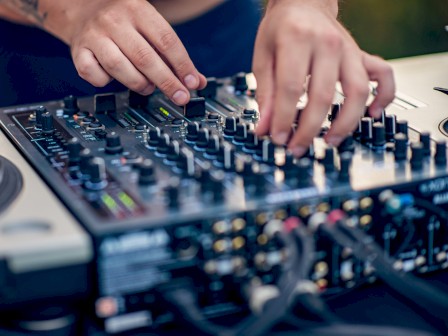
402, 127
345, 163
210, 90
328, 159
192, 131
70, 105
172, 193
241, 134
378, 136
137, 100
74, 149
347, 145
440, 155
268, 151
113, 143
226, 157
213, 146
366, 130
251, 143
163, 145
249, 113
391, 126
173, 151
230, 126
185, 162
39, 111
97, 174
425, 139
417, 156
401, 147
240, 82
84, 161
154, 137
47, 124
203, 136
147, 175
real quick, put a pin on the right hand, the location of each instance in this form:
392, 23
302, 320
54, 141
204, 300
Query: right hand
130, 41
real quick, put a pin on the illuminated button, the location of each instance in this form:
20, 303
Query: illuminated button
262, 239
366, 204
365, 220
238, 243
238, 224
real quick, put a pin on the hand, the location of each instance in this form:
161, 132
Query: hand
297, 38
130, 41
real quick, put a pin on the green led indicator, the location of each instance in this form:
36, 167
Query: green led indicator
109, 201
126, 200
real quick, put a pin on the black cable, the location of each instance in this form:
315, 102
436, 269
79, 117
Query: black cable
429, 298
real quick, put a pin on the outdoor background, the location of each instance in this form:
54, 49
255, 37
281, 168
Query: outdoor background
397, 28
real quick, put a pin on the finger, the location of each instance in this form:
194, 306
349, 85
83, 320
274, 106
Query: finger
378, 70
165, 40
355, 86
202, 81
290, 75
89, 69
324, 74
263, 68
118, 66
150, 64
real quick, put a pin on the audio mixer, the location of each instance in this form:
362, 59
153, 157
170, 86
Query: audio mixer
169, 193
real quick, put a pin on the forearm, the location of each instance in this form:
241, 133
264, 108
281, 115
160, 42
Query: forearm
328, 5
53, 16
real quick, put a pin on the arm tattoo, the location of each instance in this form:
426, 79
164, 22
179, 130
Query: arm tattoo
28, 8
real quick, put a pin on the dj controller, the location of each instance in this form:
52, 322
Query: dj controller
124, 196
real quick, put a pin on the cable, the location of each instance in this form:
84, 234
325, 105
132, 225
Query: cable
427, 297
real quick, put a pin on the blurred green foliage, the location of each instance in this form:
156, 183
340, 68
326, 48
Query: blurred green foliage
397, 28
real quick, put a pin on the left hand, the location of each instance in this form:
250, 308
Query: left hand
302, 37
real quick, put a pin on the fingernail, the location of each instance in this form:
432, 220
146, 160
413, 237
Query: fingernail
298, 151
180, 97
280, 138
334, 140
375, 111
191, 82
150, 89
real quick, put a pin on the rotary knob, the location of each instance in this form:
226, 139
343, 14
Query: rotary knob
70, 105
366, 130
84, 161
154, 137
213, 146
74, 150
391, 126
146, 176
97, 174
113, 143
39, 111
440, 156
230, 126
192, 131
425, 140
345, 163
402, 127
401, 147
378, 136
241, 134
47, 124
328, 159
240, 82
417, 156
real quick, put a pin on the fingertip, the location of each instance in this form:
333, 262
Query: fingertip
202, 82
180, 97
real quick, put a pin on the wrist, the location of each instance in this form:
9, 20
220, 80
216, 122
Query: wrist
329, 6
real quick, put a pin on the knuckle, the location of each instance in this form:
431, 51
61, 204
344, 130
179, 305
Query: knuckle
85, 69
301, 30
291, 88
167, 41
332, 40
168, 86
358, 89
143, 57
324, 96
112, 63
139, 85
184, 67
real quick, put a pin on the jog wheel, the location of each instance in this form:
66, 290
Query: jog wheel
10, 183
